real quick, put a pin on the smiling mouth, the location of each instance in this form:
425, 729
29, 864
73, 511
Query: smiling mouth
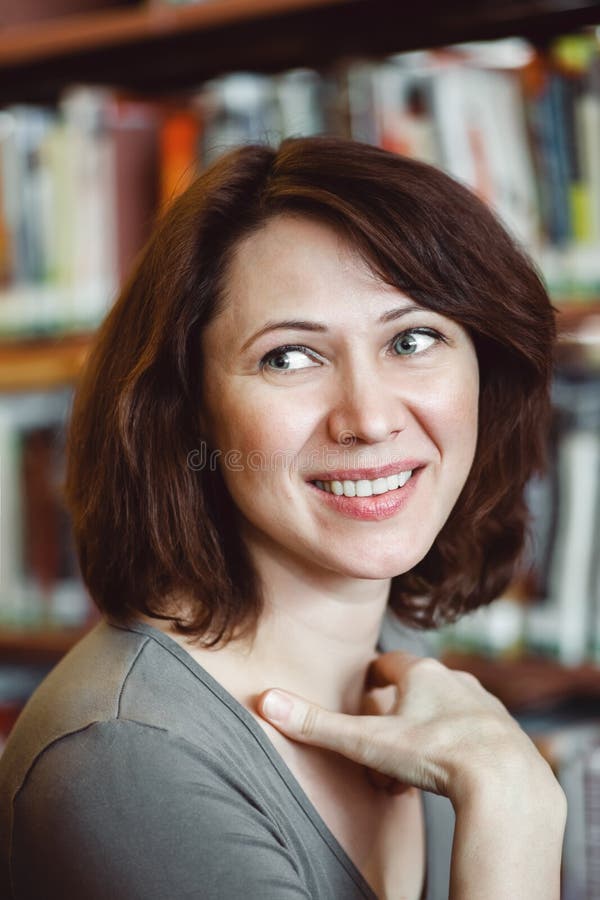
364, 487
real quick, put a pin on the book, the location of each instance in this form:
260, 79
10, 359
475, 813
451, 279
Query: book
573, 751
40, 582
571, 575
179, 145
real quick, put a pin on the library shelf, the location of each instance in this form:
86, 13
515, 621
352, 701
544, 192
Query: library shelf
42, 363
523, 684
529, 682
44, 645
154, 47
572, 316
578, 349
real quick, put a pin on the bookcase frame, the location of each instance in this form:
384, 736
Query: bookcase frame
192, 43
154, 50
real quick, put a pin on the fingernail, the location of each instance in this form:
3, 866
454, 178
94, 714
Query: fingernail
276, 706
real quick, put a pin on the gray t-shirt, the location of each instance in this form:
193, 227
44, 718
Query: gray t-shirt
132, 774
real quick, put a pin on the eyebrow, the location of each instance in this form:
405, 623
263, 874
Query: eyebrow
303, 325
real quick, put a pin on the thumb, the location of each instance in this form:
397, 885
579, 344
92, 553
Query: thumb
311, 724
305, 721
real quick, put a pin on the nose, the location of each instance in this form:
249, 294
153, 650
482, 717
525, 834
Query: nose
364, 407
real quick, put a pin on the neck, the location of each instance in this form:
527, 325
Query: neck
316, 636
316, 639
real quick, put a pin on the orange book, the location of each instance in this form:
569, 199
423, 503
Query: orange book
179, 139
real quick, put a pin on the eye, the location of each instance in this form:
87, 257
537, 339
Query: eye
415, 340
280, 357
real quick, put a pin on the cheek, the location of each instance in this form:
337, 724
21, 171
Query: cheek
465, 411
451, 414
264, 441
265, 421
462, 407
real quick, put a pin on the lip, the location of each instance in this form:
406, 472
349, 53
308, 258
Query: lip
374, 508
392, 468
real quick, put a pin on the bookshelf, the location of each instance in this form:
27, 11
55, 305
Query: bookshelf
121, 46
35, 646
525, 684
42, 363
529, 682
158, 50
45, 363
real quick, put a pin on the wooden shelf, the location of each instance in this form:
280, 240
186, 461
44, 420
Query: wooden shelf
40, 364
578, 351
43, 363
159, 49
38, 646
572, 316
522, 684
529, 683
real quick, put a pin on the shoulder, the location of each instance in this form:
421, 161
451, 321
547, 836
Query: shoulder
126, 809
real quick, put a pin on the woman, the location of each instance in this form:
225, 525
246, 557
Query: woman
316, 402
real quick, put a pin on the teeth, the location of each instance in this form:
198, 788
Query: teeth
349, 488
380, 486
363, 487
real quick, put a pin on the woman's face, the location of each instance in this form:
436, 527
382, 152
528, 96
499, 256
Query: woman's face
373, 380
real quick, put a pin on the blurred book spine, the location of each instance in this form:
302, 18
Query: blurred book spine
573, 751
80, 184
40, 583
78, 190
552, 607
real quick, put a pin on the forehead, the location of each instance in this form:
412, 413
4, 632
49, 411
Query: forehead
292, 260
292, 239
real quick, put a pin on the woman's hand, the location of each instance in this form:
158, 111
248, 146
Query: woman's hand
443, 732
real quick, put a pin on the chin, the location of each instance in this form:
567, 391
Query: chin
381, 567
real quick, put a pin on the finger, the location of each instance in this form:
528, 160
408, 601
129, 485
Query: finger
389, 668
311, 724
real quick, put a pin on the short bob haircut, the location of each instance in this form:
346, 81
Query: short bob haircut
150, 528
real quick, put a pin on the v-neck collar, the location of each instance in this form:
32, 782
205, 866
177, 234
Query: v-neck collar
262, 739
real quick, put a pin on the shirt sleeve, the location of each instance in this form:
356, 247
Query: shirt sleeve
129, 811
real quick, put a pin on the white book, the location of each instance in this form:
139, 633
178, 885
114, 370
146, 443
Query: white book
11, 164
92, 216
402, 96
239, 108
10, 523
572, 563
359, 88
301, 102
482, 131
587, 119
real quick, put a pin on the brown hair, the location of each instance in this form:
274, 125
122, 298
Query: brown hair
150, 528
